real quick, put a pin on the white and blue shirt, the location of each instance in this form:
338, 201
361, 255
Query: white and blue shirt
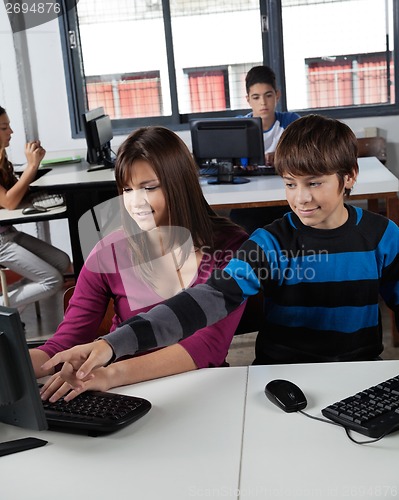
271, 136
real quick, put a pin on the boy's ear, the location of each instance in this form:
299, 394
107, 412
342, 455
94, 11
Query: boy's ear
350, 180
278, 95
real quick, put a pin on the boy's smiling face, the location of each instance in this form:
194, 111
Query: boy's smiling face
318, 201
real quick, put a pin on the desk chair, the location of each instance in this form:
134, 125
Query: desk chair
8, 277
373, 146
106, 323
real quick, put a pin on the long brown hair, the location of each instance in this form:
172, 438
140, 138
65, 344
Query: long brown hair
7, 176
177, 173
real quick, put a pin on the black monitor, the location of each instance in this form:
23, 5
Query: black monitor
98, 131
20, 402
225, 142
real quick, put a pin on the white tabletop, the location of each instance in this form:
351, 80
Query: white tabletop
189, 442
287, 455
15, 215
74, 175
213, 433
373, 178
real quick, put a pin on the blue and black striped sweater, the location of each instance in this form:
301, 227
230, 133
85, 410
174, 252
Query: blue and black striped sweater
321, 290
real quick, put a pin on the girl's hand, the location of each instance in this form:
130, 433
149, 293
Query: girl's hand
80, 361
56, 387
34, 153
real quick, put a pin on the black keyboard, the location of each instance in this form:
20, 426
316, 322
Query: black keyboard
255, 173
95, 412
373, 412
212, 171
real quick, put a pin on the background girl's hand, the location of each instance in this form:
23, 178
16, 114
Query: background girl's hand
34, 153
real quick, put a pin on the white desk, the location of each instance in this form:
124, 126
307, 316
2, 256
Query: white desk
190, 440
16, 216
374, 181
213, 434
287, 455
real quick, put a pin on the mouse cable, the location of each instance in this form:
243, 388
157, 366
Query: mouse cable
346, 428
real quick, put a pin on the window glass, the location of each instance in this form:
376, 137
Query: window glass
214, 44
125, 57
340, 54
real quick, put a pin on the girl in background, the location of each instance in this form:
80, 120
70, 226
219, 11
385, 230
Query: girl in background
41, 264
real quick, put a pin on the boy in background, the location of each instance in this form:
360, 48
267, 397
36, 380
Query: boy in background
263, 96
322, 269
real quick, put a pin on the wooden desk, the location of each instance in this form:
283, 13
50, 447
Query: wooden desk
212, 433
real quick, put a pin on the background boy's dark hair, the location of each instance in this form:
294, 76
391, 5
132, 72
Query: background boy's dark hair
317, 145
260, 74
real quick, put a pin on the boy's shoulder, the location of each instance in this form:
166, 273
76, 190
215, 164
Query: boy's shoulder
286, 117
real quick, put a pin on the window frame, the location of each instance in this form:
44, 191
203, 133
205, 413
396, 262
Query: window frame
273, 55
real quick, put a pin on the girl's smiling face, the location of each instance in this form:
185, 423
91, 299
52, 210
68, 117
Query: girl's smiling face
144, 199
318, 201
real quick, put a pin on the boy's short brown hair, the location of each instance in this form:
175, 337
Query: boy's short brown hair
260, 74
317, 145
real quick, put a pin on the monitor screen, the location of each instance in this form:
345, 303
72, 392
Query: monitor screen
227, 139
20, 402
98, 133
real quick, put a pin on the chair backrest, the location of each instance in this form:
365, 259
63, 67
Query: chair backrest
109, 314
373, 146
253, 316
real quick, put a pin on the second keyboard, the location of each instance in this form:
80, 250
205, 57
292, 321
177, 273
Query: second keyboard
373, 412
47, 200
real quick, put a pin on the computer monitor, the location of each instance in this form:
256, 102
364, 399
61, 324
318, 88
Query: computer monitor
225, 142
20, 402
98, 132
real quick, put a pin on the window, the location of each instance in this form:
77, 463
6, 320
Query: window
350, 80
163, 62
208, 90
125, 96
340, 58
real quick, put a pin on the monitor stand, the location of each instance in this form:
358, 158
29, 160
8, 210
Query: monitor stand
226, 175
